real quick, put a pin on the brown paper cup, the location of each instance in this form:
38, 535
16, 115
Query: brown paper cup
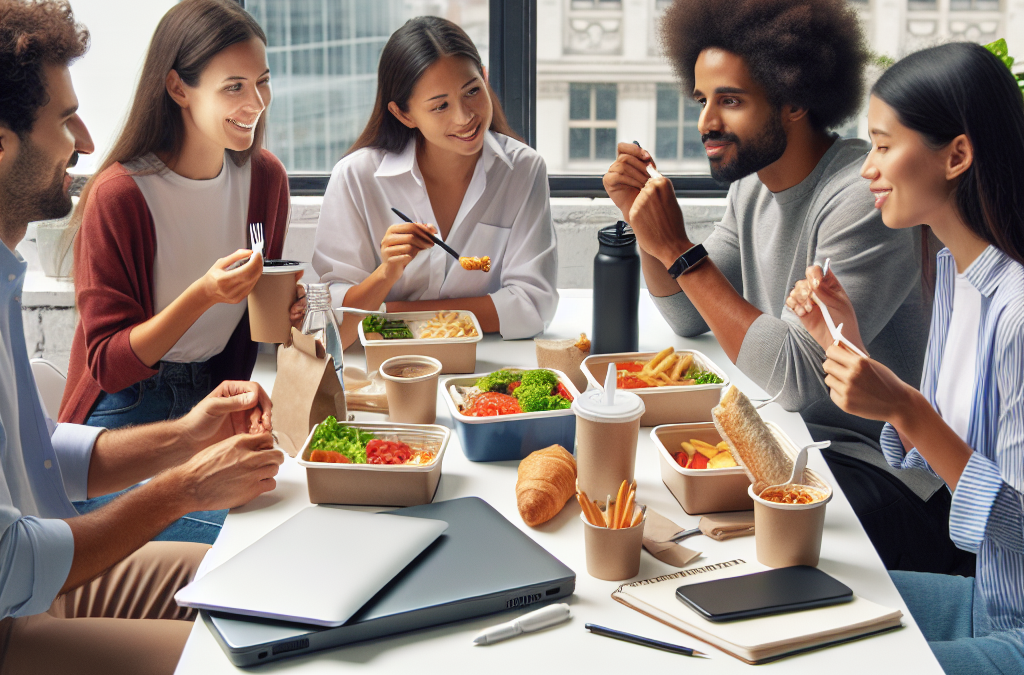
613, 555
605, 455
412, 400
788, 534
562, 355
269, 306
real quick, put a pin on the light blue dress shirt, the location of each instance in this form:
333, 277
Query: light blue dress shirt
39, 474
987, 511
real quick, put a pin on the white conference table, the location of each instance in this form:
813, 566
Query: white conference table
846, 554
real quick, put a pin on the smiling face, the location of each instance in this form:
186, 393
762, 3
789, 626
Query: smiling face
908, 178
741, 129
450, 105
34, 183
232, 93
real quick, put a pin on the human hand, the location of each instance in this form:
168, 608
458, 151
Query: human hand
230, 409
231, 286
832, 295
864, 387
298, 310
657, 221
400, 245
229, 473
627, 176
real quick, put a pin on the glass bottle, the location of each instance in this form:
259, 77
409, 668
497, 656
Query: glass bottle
321, 322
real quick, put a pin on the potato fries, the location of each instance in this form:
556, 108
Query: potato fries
448, 325
618, 514
698, 454
472, 264
668, 368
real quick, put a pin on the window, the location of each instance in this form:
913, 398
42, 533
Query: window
677, 143
592, 132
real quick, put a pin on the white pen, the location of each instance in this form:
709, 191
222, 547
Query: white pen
527, 623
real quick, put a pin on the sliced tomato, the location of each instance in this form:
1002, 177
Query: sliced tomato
490, 404
630, 366
682, 459
628, 381
698, 461
513, 386
563, 392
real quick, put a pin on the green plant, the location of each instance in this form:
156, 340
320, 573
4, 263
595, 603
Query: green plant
1000, 49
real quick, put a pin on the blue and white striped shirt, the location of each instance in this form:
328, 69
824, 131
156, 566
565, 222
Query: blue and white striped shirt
987, 511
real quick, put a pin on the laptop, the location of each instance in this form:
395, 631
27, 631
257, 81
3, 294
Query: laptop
482, 564
368, 549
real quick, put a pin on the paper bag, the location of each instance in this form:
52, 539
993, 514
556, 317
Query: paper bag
306, 391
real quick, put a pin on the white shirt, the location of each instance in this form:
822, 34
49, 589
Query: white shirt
196, 222
506, 214
954, 393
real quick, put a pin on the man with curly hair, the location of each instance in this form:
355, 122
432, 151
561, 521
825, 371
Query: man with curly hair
773, 77
88, 594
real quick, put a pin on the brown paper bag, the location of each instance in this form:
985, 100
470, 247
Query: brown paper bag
306, 391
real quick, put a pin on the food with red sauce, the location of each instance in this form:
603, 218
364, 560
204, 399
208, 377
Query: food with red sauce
336, 443
508, 392
490, 404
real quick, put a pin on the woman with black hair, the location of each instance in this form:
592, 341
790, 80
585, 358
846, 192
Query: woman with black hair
947, 129
438, 148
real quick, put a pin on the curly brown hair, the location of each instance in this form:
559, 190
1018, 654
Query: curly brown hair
807, 53
33, 33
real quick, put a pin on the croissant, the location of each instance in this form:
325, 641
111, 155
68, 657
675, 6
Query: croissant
547, 480
752, 443
474, 263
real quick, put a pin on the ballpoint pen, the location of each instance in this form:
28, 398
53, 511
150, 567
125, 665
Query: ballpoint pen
527, 623
642, 641
437, 241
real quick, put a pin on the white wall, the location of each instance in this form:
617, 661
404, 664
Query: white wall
105, 77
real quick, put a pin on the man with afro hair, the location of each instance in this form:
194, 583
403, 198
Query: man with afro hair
773, 78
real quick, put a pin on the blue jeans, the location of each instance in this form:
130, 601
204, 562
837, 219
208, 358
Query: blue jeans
957, 632
168, 395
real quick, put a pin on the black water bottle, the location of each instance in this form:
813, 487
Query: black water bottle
616, 291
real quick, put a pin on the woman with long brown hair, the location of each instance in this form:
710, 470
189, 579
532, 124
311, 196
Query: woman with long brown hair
438, 148
164, 220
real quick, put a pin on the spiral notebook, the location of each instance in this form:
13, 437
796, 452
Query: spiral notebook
760, 639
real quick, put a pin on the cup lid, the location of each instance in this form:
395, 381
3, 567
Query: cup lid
281, 266
590, 405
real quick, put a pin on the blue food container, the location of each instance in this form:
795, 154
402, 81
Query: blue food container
510, 437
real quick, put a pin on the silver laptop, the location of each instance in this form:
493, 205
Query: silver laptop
319, 567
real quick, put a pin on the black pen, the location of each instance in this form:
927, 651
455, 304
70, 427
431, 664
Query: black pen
642, 641
651, 171
437, 241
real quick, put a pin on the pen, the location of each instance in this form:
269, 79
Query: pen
642, 641
651, 171
527, 623
437, 241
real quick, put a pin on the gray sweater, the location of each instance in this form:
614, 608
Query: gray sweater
764, 243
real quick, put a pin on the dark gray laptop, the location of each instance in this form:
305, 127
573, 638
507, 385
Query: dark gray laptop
482, 564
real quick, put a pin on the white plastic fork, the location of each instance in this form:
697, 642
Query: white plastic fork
256, 237
761, 404
835, 332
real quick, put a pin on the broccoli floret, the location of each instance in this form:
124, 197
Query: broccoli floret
538, 397
498, 381
540, 378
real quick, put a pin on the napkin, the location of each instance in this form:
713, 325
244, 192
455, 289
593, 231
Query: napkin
722, 526
657, 531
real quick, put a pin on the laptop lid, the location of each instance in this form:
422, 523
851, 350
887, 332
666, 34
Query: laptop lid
363, 551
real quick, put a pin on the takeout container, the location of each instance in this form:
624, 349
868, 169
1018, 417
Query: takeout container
457, 355
613, 555
510, 437
411, 399
664, 405
699, 491
376, 484
271, 300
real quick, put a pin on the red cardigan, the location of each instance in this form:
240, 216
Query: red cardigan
114, 254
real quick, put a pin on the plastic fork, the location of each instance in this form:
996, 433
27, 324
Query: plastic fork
797, 477
761, 404
256, 237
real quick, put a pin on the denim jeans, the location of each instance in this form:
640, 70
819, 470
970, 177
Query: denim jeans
957, 632
168, 395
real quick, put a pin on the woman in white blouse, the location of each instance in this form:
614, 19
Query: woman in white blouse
438, 148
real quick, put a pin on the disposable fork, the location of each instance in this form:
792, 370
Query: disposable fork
256, 237
834, 331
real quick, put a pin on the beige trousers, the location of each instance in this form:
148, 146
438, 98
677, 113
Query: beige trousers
124, 621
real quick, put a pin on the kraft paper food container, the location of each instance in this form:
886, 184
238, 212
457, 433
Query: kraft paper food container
376, 484
664, 405
510, 437
411, 399
457, 355
270, 302
613, 555
789, 534
699, 491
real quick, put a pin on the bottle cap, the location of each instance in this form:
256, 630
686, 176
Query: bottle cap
619, 234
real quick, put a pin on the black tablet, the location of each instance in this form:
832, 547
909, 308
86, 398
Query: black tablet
786, 589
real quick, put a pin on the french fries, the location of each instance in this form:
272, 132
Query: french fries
448, 325
618, 514
702, 455
668, 368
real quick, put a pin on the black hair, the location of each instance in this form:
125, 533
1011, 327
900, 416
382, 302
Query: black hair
410, 50
807, 53
957, 89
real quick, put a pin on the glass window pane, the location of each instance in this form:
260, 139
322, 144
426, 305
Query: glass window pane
605, 143
693, 148
579, 101
579, 143
605, 96
668, 103
666, 142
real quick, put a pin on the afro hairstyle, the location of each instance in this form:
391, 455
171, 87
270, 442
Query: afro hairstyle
33, 33
807, 53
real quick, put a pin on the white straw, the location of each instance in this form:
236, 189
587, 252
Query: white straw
610, 383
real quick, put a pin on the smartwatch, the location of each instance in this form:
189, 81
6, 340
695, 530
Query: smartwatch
688, 261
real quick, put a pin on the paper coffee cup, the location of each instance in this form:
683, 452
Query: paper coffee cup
606, 437
788, 534
411, 385
271, 300
562, 355
613, 555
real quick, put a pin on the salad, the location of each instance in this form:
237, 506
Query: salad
336, 443
386, 328
508, 392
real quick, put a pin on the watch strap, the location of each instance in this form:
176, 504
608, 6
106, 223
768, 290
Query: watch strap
688, 260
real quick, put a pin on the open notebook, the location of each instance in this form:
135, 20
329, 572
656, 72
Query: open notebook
760, 639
